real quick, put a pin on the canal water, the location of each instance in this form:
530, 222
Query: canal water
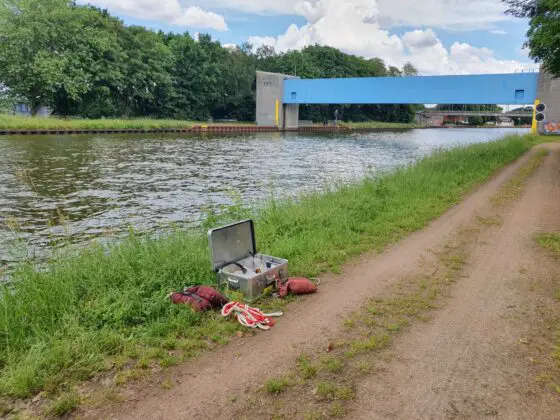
74, 189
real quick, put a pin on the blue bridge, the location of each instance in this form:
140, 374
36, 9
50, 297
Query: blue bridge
504, 89
279, 96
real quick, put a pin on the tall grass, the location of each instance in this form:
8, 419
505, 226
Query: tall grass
64, 324
11, 122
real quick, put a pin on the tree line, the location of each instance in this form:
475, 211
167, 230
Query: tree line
81, 61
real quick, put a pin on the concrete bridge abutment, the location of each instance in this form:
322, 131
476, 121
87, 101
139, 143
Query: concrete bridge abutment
548, 93
271, 109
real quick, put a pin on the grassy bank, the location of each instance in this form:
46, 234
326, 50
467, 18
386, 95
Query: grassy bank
11, 122
380, 125
106, 310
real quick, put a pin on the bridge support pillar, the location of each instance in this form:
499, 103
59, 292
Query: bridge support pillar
548, 93
271, 110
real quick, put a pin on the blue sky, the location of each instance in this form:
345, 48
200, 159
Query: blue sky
437, 36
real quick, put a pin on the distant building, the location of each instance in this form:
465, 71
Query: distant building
505, 122
455, 119
23, 109
429, 120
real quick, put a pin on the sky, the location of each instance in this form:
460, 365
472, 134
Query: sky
437, 36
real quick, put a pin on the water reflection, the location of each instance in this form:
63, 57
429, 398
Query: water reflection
84, 187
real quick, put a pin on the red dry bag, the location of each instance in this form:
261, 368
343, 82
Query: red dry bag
200, 298
297, 286
216, 299
197, 303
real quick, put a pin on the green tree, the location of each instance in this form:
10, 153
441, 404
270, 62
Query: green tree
48, 46
147, 71
239, 85
394, 71
199, 74
543, 37
410, 70
108, 68
469, 107
266, 58
7, 100
477, 121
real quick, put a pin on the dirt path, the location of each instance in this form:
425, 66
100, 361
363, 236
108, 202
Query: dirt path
474, 360
429, 375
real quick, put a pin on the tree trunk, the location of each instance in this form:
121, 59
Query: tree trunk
35, 108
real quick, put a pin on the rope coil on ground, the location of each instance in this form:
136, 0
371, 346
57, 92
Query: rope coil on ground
250, 317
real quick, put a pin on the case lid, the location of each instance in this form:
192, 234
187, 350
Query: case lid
231, 243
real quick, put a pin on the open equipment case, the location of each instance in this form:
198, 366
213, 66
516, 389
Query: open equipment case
237, 263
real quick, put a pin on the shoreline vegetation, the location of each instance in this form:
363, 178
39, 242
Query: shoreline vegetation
105, 310
379, 125
10, 122
35, 123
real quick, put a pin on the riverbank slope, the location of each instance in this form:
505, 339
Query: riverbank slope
104, 313
457, 320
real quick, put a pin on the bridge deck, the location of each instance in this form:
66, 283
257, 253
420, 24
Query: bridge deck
519, 89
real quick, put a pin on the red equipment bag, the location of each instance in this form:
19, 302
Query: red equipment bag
297, 286
216, 299
197, 303
199, 298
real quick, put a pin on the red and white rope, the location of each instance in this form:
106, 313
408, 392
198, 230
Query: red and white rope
250, 317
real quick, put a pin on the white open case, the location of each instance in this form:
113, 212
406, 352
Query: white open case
237, 263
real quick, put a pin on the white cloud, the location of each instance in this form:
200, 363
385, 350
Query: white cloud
448, 14
265, 7
465, 59
259, 41
169, 11
419, 39
195, 17
353, 26
497, 31
460, 58
348, 25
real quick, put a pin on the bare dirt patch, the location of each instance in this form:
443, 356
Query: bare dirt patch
485, 352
